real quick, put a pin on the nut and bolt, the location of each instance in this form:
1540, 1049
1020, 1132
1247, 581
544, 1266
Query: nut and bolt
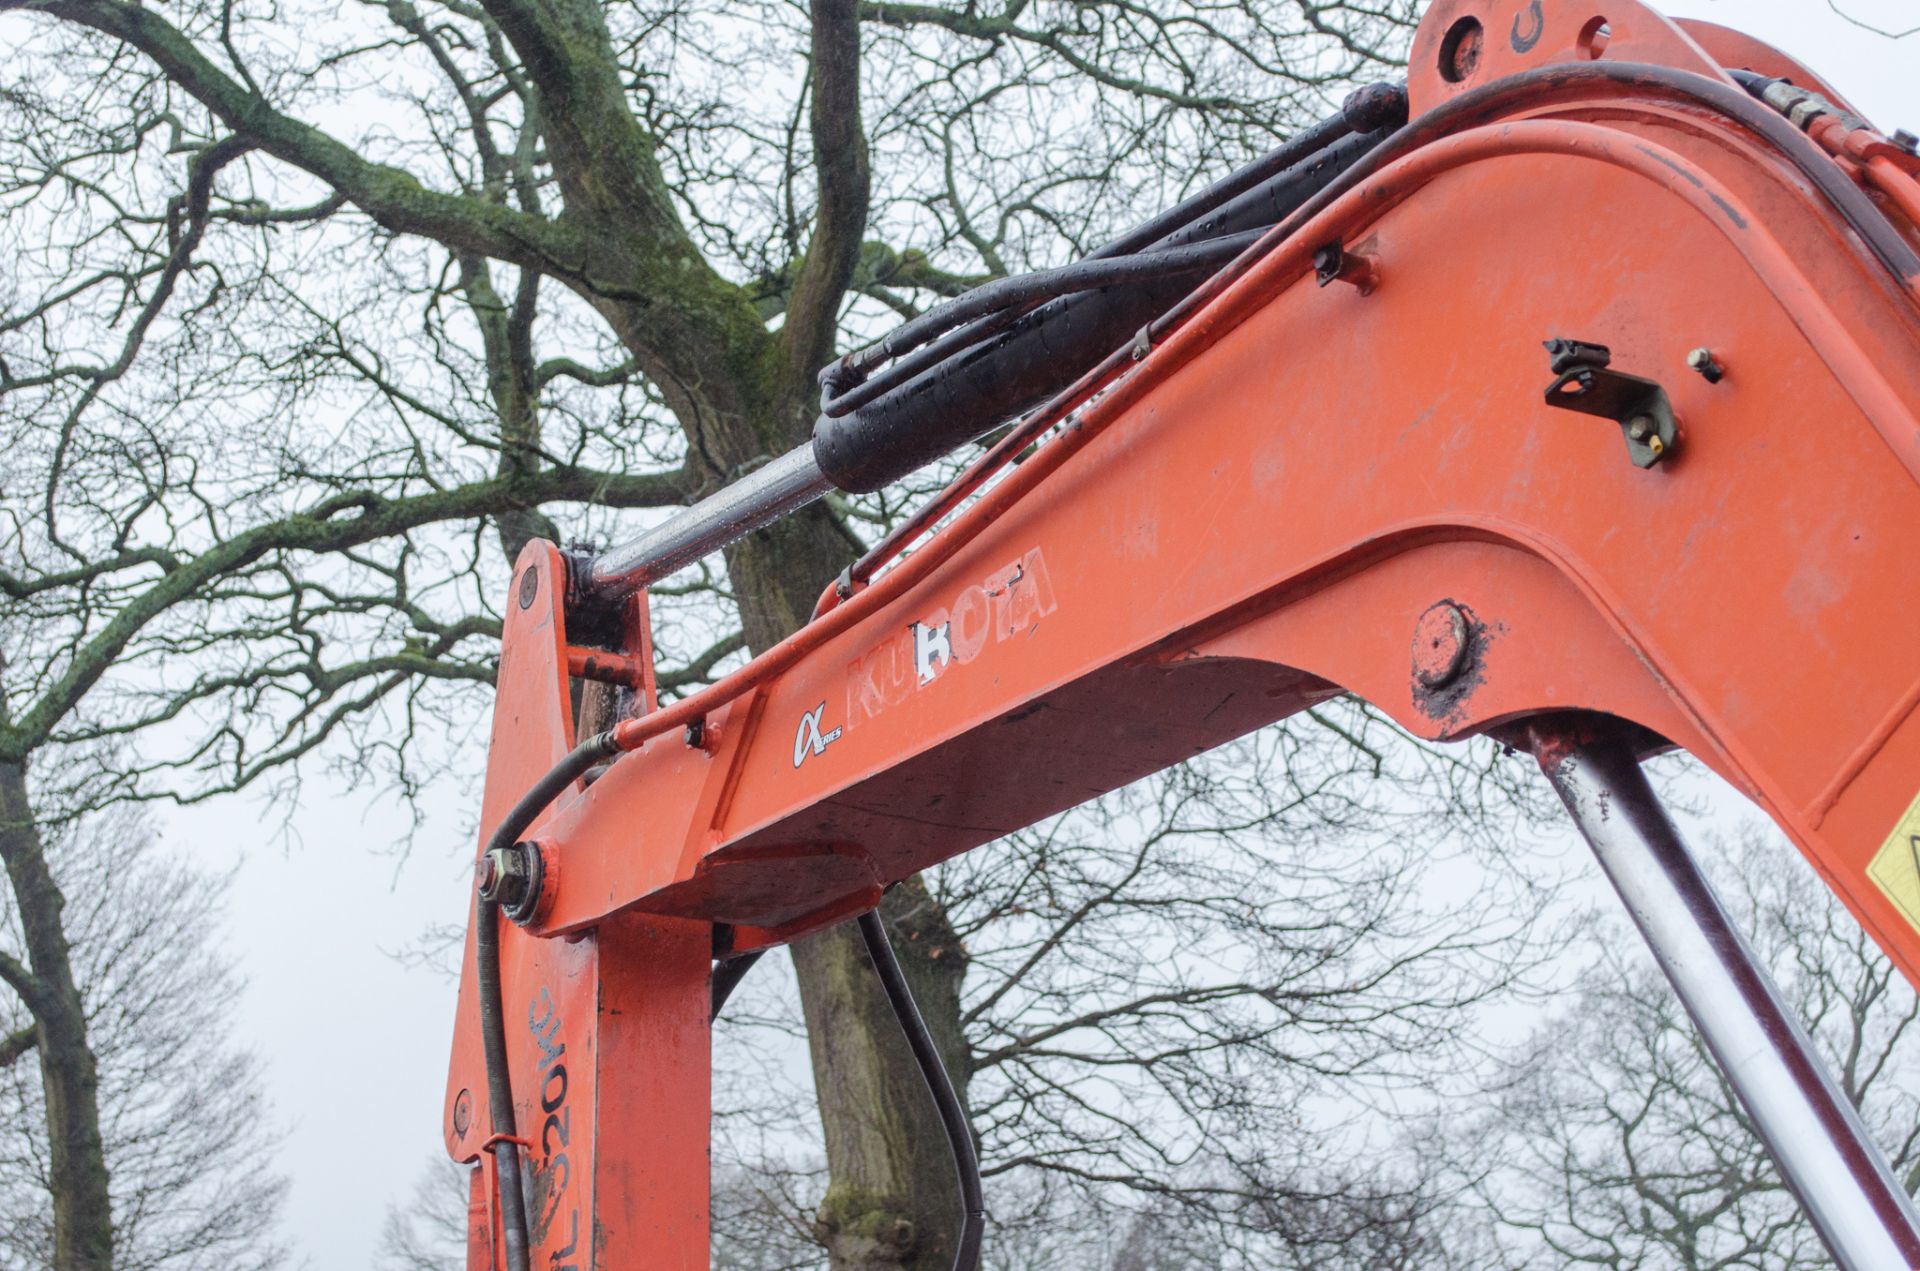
1441, 642
506, 876
1645, 429
1906, 141
1709, 367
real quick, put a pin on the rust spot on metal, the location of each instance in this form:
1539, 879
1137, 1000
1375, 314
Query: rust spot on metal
608, 668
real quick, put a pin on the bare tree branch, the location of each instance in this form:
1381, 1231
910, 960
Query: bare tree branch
1864, 25
16, 1044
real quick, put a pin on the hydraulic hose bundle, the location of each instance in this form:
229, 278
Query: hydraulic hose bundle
978, 360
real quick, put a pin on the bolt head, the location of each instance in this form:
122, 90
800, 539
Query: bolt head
506, 876
1707, 365
1641, 427
1906, 141
1441, 640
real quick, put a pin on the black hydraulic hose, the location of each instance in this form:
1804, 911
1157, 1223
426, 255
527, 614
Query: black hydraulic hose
841, 388
727, 977
972, 392
493, 1045
1368, 109
1537, 89
1803, 107
965, 395
1538, 86
953, 1117
493, 1022
1018, 294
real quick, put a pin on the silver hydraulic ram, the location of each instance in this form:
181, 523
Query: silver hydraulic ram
1808, 1126
763, 496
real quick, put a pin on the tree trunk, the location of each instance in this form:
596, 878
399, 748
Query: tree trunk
892, 1200
77, 1175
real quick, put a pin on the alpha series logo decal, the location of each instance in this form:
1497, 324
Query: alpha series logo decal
1007, 603
808, 739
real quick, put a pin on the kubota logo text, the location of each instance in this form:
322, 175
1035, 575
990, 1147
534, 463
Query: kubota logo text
1007, 603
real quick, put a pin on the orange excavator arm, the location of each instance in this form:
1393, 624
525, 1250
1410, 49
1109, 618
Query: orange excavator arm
1581, 409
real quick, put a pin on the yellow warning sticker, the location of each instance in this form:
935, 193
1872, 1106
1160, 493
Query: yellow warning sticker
1895, 868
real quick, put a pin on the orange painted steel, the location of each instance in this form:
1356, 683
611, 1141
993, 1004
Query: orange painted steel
1262, 514
1898, 184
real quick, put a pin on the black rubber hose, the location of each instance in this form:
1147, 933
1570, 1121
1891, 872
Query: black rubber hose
953, 1117
493, 1045
1367, 109
1802, 107
974, 391
1021, 292
979, 387
841, 386
727, 977
1538, 86
493, 1022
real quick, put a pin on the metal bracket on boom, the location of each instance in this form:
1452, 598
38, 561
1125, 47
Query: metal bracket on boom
1335, 262
1639, 406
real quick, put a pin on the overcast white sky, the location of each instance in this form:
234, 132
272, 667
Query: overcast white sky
355, 1042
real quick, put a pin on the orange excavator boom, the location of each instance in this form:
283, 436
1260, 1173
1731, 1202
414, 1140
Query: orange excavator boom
1570, 397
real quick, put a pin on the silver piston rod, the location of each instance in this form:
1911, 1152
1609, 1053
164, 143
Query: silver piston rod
760, 498
1807, 1125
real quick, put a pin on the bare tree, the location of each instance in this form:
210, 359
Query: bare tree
1200, 1010
1619, 1144
1163, 985
429, 1231
184, 1129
